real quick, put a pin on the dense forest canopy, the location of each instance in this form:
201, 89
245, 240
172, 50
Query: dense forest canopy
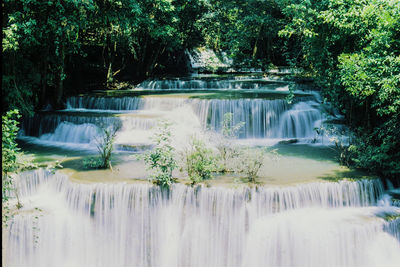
56, 48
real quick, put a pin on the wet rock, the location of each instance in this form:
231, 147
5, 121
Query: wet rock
290, 141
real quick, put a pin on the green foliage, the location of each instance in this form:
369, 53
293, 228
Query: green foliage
93, 163
228, 151
9, 159
247, 30
105, 144
52, 167
372, 75
251, 160
46, 42
353, 50
161, 159
249, 163
342, 140
9, 146
228, 129
39, 35
378, 151
199, 161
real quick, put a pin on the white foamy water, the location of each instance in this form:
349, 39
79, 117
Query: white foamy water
264, 120
317, 224
300, 121
72, 133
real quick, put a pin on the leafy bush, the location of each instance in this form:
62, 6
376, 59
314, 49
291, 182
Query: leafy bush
93, 163
199, 161
342, 142
378, 151
105, 144
161, 159
228, 151
9, 147
251, 160
249, 163
375, 152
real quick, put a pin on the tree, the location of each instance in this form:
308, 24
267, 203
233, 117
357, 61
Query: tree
38, 38
247, 30
47, 45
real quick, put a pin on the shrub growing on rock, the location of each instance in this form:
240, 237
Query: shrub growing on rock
199, 161
228, 151
161, 159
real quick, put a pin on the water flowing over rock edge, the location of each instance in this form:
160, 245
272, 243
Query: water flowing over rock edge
117, 224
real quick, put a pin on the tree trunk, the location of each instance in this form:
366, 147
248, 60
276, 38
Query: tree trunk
368, 113
141, 72
60, 78
109, 78
255, 48
111, 49
43, 79
153, 60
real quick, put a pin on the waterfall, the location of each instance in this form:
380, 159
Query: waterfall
119, 224
263, 118
103, 103
204, 58
211, 84
72, 133
300, 120
254, 100
43, 123
68, 135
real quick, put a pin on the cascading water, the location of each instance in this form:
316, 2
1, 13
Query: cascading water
48, 122
102, 103
64, 223
263, 118
317, 224
301, 114
72, 133
211, 84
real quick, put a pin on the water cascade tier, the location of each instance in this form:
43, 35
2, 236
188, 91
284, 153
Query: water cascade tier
317, 224
193, 105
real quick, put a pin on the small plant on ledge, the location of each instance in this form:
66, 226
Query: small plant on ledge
105, 144
228, 151
251, 160
250, 163
199, 161
161, 159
